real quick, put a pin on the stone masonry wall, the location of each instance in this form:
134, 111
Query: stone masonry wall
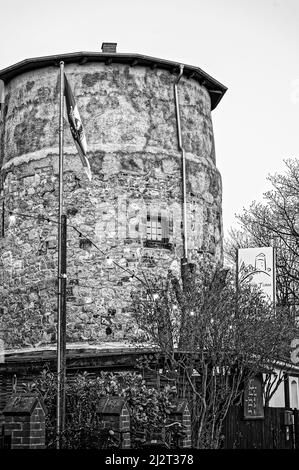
129, 119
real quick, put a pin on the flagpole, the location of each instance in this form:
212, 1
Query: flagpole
60, 337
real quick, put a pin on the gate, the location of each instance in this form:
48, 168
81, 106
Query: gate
278, 430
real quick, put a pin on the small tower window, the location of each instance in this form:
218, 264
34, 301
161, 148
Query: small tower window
157, 228
154, 227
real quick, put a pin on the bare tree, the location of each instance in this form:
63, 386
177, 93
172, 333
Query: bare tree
236, 238
275, 222
212, 342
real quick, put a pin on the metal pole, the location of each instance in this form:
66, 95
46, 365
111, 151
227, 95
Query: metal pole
274, 277
3, 220
60, 385
184, 260
184, 192
237, 280
63, 322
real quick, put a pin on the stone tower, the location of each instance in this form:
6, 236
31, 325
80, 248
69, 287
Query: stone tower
131, 211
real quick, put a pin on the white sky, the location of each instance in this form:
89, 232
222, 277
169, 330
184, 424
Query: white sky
251, 46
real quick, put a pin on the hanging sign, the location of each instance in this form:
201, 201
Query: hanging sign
253, 399
257, 266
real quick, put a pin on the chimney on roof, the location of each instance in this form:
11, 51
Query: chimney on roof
109, 47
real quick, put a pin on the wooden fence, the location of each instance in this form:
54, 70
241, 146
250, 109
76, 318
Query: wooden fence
272, 432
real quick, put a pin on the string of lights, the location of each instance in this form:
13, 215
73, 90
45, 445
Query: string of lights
82, 235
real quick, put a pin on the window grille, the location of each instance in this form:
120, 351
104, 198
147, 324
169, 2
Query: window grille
157, 228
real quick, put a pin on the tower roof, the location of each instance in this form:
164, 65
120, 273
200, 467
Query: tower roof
215, 89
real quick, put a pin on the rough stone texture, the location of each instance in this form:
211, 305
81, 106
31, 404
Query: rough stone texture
129, 119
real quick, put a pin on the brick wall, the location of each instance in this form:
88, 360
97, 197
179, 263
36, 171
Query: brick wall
182, 415
186, 421
114, 415
37, 428
24, 421
124, 425
18, 427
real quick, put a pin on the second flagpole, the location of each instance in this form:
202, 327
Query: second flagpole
61, 274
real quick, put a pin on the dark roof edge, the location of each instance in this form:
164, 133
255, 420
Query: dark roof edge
216, 89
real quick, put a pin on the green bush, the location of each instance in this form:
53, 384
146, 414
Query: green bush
148, 407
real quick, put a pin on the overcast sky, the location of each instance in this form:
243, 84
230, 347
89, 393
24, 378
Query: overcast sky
251, 46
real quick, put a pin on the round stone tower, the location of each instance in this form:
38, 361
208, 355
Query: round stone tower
127, 220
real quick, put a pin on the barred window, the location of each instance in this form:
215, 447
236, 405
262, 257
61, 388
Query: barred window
158, 228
